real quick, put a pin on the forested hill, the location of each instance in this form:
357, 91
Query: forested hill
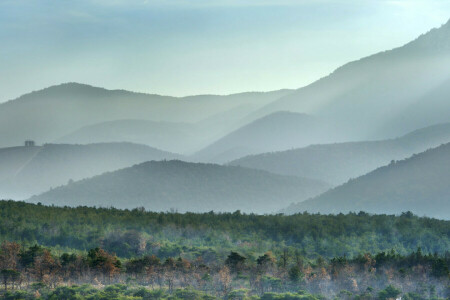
27, 171
337, 163
127, 232
182, 186
419, 184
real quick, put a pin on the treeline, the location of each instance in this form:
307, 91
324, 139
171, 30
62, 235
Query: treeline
33, 272
130, 233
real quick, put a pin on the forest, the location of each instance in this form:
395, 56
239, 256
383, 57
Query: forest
106, 253
133, 232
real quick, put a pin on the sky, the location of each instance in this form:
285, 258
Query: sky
187, 47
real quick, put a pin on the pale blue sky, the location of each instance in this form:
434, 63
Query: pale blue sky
177, 47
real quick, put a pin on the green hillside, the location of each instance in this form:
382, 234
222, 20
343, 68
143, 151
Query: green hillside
419, 184
182, 186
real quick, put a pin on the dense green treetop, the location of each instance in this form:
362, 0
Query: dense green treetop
127, 232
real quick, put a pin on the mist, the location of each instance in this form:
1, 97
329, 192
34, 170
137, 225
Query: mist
225, 149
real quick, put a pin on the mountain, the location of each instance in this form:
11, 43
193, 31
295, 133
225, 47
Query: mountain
435, 106
167, 136
185, 138
30, 170
12, 159
54, 112
364, 95
378, 97
420, 184
165, 185
337, 163
278, 131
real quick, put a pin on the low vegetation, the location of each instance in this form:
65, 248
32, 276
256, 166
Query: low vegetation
35, 272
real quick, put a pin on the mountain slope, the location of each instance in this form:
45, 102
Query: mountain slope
53, 165
12, 159
174, 137
432, 107
420, 184
337, 163
184, 138
355, 102
160, 186
363, 95
54, 112
277, 131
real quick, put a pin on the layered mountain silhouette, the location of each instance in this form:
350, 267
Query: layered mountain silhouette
419, 184
196, 187
364, 95
337, 163
435, 105
339, 127
381, 96
165, 135
26, 171
178, 137
378, 97
52, 113
277, 131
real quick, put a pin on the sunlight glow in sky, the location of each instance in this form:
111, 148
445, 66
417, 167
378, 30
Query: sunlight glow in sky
181, 47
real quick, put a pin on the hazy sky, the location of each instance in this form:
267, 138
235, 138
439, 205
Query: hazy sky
178, 47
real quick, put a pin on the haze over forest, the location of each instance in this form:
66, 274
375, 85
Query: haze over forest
259, 151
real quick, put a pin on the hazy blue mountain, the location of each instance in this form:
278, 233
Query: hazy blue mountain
33, 170
434, 106
13, 159
381, 96
364, 95
378, 97
277, 131
54, 112
337, 163
420, 184
165, 185
183, 137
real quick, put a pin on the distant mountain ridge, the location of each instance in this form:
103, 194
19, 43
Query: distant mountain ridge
434, 107
337, 163
52, 113
32, 170
165, 185
342, 126
363, 95
277, 131
167, 136
377, 97
420, 184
